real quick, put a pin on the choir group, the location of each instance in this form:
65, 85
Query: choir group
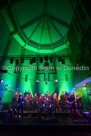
47, 101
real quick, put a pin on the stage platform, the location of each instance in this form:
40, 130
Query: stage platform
33, 117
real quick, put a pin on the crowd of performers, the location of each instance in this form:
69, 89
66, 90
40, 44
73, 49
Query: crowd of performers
27, 102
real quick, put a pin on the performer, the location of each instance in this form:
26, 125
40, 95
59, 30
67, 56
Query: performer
25, 93
63, 100
31, 101
30, 96
47, 97
79, 102
14, 103
71, 101
20, 105
42, 98
21, 95
35, 98
55, 99
67, 94
35, 101
38, 97
27, 101
54, 102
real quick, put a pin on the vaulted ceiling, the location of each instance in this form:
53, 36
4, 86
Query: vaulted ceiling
39, 25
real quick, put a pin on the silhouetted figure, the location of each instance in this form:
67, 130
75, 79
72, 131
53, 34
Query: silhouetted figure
14, 103
63, 101
71, 102
20, 105
35, 101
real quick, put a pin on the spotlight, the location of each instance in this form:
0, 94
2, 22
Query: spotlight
59, 59
51, 59
41, 60
1, 81
56, 80
31, 61
46, 58
17, 62
11, 60
22, 60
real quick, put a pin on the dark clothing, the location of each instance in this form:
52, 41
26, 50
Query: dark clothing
63, 102
63, 98
79, 104
42, 99
14, 104
72, 105
14, 101
20, 106
27, 104
35, 99
70, 99
35, 102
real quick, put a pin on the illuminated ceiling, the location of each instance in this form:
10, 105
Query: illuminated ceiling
39, 25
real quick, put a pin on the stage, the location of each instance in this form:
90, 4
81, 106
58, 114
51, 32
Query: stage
35, 117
